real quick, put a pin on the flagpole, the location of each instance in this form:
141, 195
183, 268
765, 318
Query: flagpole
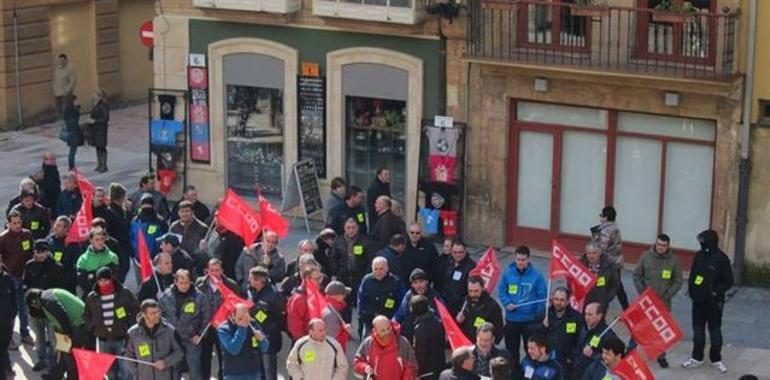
530, 302
134, 360
609, 327
211, 227
547, 297
203, 333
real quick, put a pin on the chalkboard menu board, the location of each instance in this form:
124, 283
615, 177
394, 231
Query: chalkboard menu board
307, 179
312, 121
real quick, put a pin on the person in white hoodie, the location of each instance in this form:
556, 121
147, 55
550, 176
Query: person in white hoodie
316, 356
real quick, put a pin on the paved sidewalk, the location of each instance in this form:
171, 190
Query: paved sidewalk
746, 326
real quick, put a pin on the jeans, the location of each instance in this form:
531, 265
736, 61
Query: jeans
71, 156
622, 296
209, 344
115, 347
44, 341
270, 366
707, 313
192, 355
21, 306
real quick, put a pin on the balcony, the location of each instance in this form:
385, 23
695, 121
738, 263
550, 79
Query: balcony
408, 12
270, 6
697, 44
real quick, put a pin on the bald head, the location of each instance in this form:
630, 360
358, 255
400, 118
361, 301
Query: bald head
381, 326
317, 329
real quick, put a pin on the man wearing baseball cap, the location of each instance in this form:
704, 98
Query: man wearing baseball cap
180, 259
336, 327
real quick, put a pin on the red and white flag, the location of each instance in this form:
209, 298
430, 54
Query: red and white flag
229, 301
145, 263
453, 333
85, 185
651, 325
316, 302
81, 226
579, 278
237, 216
92, 365
272, 219
489, 269
632, 367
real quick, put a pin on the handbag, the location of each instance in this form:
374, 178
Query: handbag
64, 134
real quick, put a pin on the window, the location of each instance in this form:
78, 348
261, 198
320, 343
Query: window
553, 25
677, 33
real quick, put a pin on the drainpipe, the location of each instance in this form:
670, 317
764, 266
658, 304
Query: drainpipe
745, 141
19, 114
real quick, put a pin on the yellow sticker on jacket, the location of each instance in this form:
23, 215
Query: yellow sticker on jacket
571, 327
120, 312
151, 229
144, 350
390, 303
595, 340
260, 316
361, 218
513, 289
309, 356
666, 274
698, 279
601, 281
254, 342
34, 225
189, 308
25, 245
478, 322
358, 249
57, 256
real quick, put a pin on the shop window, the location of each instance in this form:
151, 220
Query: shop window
693, 129
687, 206
254, 119
637, 187
376, 137
583, 175
562, 115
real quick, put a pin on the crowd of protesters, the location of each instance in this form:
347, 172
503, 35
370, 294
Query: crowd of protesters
374, 270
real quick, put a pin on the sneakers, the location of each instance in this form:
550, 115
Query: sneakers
692, 363
26, 339
663, 362
719, 367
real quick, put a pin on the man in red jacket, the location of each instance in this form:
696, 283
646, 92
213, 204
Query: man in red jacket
15, 251
297, 315
386, 354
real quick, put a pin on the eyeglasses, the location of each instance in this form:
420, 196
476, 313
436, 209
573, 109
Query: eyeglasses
414, 232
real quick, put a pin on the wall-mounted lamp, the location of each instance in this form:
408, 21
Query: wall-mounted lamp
541, 84
671, 99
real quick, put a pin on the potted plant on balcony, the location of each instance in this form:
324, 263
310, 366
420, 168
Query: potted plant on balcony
589, 8
673, 11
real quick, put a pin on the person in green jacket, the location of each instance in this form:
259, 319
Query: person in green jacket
97, 255
65, 312
659, 269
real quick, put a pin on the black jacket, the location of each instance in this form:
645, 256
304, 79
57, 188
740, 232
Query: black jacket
149, 289
67, 255
43, 275
376, 189
230, 247
180, 259
481, 363
7, 301
50, 186
379, 297
36, 219
125, 309
429, 342
458, 374
119, 227
486, 309
711, 274
589, 337
424, 255
386, 226
268, 311
454, 286
563, 334
328, 258
607, 281
338, 215
200, 211
355, 257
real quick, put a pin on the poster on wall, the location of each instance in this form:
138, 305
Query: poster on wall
200, 143
312, 121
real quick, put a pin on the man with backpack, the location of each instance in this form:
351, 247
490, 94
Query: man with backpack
316, 356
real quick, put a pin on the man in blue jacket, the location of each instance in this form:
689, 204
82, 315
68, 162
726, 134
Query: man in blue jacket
522, 291
243, 344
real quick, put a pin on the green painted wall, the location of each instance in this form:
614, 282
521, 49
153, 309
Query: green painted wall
314, 44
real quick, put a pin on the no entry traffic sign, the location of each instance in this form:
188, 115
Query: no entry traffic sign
145, 33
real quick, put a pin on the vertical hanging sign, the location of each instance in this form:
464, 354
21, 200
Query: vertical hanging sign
198, 81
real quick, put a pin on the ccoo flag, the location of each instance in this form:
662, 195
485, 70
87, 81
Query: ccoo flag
632, 367
489, 269
453, 333
92, 365
651, 325
272, 219
81, 226
237, 216
579, 278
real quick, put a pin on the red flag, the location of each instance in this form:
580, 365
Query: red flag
632, 367
237, 216
145, 263
92, 365
651, 325
453, 333
81, 226
579, 277
229, 301
272, 219
316, 302
85, 186
489, 269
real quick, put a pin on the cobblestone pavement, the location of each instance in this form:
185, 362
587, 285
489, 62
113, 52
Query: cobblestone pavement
746, 327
